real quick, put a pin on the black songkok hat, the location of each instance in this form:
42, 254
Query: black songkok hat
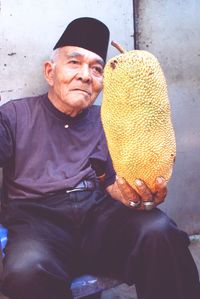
87, 33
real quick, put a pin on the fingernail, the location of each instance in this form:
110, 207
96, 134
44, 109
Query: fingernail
138, 182
120, 180
159, 180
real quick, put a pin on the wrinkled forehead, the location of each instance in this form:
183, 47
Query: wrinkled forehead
68, 52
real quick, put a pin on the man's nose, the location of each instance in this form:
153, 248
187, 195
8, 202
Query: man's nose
84, 73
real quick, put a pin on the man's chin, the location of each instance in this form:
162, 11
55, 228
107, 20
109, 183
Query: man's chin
76, 110
78, 104
82, 103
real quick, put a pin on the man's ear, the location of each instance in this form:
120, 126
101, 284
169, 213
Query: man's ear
49, 72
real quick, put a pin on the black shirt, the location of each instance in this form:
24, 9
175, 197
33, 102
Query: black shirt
42, 150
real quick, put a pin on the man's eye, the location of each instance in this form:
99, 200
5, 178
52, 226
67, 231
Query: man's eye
73, 61
98, 70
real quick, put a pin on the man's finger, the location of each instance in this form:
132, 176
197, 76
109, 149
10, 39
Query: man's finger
144, 192
161, 190
127, 191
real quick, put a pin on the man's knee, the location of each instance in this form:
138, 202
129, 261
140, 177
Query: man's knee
29, 271
20, 279
22, 265
162, 230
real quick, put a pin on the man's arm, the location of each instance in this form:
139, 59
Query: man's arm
6, 140
122, 191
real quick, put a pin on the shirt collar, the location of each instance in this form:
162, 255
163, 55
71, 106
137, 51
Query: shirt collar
62, 115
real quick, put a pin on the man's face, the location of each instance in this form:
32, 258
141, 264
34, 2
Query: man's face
75, 79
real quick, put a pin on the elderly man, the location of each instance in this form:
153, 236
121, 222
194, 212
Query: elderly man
65, 212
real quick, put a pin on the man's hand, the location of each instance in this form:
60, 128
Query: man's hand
143, 198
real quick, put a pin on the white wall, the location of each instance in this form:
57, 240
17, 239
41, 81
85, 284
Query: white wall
170, 29
30, 28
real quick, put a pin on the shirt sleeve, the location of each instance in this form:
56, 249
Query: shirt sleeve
110, 172
6, 139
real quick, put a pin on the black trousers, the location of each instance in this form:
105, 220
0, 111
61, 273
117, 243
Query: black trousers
53, 239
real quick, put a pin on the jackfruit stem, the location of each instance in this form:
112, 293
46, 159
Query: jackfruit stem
118, 46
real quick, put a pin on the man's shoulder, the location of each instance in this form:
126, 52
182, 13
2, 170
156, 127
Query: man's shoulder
95, 109
94, 114
21, 103
25, 100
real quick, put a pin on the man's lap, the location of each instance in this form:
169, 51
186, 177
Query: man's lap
86, 232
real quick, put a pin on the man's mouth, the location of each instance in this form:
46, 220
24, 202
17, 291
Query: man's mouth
82, 91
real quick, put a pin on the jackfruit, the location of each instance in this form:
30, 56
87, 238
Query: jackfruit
136, 118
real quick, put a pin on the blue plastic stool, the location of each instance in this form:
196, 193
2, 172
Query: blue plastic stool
82, 286
3, 238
